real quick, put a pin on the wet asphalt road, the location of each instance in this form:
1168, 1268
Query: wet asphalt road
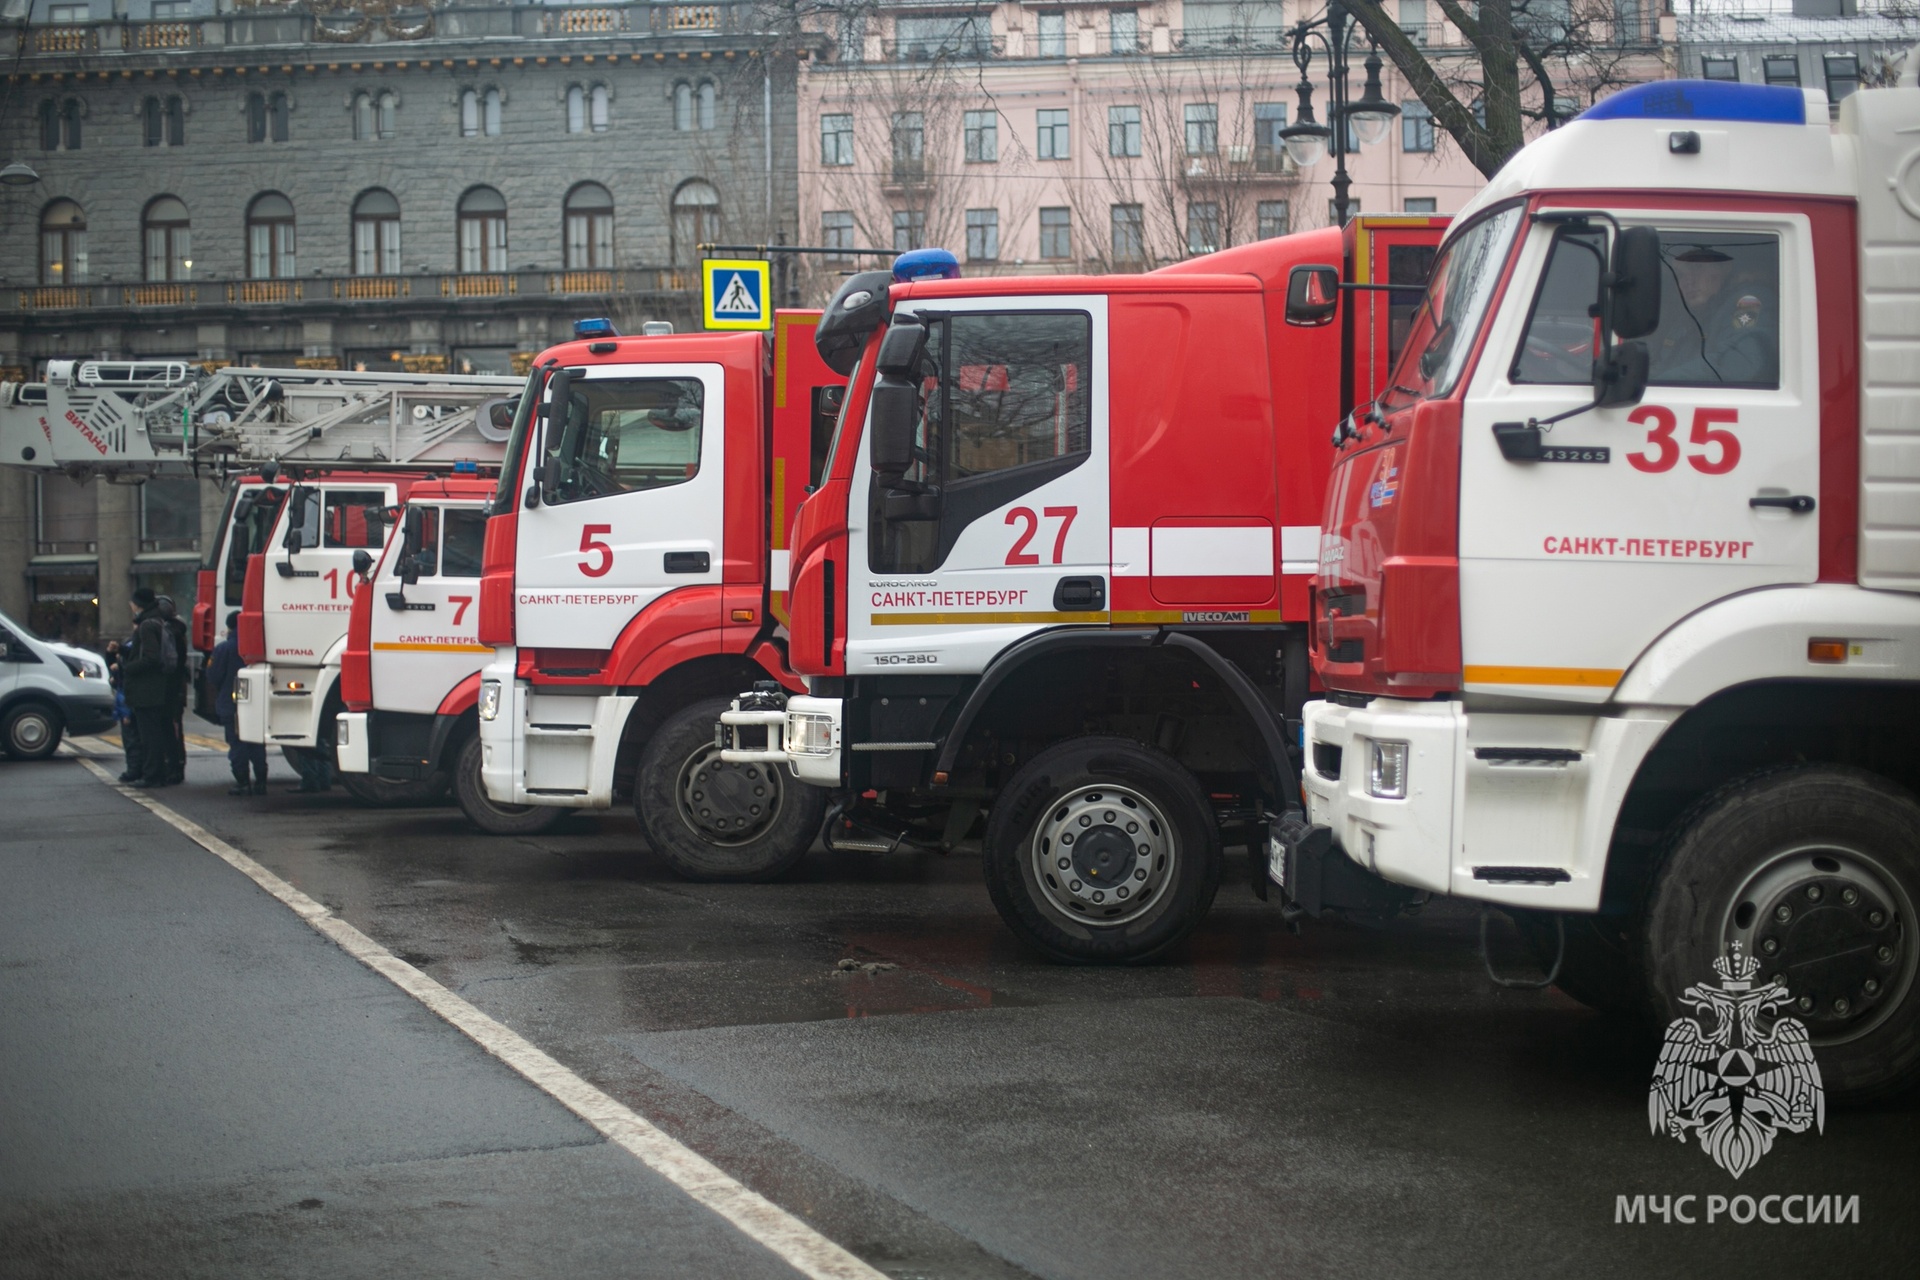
188, 1069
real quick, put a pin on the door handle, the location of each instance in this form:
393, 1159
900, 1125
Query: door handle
688, 561
1080, 595
1798, 503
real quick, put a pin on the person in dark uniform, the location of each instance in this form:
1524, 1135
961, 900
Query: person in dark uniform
1725, 326
223, 672
180, 691
148, 674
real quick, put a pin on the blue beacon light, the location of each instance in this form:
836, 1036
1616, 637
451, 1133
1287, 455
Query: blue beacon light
925, 264
597, 327
1703, 100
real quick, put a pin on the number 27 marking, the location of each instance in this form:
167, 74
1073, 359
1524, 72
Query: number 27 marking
1018, 553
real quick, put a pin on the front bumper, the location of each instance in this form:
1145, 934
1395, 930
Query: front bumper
87, 714
543, 747
1409, 841
281, 706
804, 735
350, 741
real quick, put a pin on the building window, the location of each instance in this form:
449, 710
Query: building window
170, 514
270, 242
1053, 35
954, 36
1413, 20
66, 15
696, 221
1626, 21
836, 232
982, 137
480, 113
60, 124
1333, 214
1123, 131
909, 134
167, 240
589, 227
588, 109
1123, 31
1203, 226
983, 235
373, 115
376, 234
63, 244
483, 230
1269, 149
576, 109
836, 139
1781, 69
853, 37
1714, 68
1420, 204
164, 121
693, 106
1203, 128
1271, 218
1129, 233
172, 10
1053, 134
909, 229
599, 108
1843, 75
268, 117
1056, 234
1416, 127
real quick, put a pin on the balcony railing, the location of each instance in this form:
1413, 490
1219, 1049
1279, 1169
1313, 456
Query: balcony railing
353, 291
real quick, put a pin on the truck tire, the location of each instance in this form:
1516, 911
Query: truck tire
715, 822
1815, 872
1601, 967
388, 793
31, 731
1136, 816
489, 814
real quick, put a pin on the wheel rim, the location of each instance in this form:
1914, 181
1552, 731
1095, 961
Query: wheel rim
31, 731
1831, 923
1104, 855
727, 804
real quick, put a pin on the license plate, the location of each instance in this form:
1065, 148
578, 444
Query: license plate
1277, 862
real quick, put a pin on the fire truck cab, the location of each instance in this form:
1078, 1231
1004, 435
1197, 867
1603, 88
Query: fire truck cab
1616, 599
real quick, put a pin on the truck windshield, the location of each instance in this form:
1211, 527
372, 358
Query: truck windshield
251, 528
1448, 322
621, 435
509, 490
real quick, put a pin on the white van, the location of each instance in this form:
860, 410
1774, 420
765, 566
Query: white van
48, 689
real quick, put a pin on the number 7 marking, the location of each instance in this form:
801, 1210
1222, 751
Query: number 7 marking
1065, 516
461, 612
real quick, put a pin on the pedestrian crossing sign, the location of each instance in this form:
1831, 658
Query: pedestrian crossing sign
737, 293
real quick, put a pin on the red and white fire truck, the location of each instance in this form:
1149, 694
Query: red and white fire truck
635, 578
1056, 570
1616, 599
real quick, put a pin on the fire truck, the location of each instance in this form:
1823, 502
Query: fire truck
1056, 570
1618, 596
634, 577
317, 460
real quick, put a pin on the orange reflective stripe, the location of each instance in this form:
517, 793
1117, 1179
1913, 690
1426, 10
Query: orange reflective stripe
1574, 677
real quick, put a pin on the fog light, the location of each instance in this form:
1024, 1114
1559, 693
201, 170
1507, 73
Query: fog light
1387, 770
809, 734
489, 699
242, 689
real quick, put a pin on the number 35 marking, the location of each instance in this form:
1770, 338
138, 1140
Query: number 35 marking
1663, 451
1018, 553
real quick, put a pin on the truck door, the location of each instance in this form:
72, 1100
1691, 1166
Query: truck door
309, 588
632, 503
1007, 531
1637, 516
426, 633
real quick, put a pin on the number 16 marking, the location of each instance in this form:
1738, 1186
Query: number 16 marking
1018, 553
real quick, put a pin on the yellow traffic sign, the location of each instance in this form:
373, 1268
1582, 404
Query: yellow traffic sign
738, 293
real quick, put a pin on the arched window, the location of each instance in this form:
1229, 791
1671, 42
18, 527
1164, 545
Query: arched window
373, 115
376, 234
576, 109
63, 244
706, 104
598, 101
696, 221
164, 121
269, 117
483, 230
167, 240
469, 114
386, 108
270, 241
362, 117
480, 113
60, 124
589, 227
683, 107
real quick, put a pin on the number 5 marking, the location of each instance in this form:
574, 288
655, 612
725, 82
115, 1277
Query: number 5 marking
1704, 432
593, 546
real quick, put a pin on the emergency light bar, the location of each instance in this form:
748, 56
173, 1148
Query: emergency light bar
597, 327
925, 264
1703, 100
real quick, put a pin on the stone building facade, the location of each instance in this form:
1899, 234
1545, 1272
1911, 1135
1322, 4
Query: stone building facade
352, 183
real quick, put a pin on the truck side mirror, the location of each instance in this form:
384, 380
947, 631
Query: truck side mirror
362, 563
1313, 295
1620, 376
295, 537
552, 414
894, 413
903, 350
413, 535
1634, 283
857, 309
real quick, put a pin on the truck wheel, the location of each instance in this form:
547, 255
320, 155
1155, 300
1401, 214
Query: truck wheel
1601, 967
1815, 872
31, 731
719, 822
379, 792
489, 814
1102, 851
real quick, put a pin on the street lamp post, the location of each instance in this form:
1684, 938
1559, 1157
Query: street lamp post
1306, 139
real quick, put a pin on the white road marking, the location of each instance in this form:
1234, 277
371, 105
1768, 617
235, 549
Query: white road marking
788, 1238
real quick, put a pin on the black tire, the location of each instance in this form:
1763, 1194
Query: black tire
1601, 967
393, 793
1155, 805
32, 731
715, 822
1836, 850
489, 814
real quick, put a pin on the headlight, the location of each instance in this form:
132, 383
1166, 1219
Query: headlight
82, 669
242, 689
1387, 770
809, 734
489, 699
